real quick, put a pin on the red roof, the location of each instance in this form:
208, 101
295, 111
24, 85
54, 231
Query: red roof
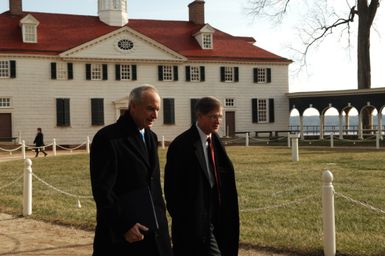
61, 32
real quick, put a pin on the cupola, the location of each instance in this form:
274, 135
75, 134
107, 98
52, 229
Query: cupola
113, 12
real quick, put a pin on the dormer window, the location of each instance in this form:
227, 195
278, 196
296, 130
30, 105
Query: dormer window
29, 29
205, 37
207, 41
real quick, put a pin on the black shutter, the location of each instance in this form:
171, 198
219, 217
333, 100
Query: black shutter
88, 71
117, 72
193, 102
70, 70
13, 68
254, 110
268, 74
203, 76
236, 74
168, 111
222, 74
188, 74
97, 111
105, 72
255, 75
160, 73
62, 112
271, 111
53, 70
133, 74
175, 73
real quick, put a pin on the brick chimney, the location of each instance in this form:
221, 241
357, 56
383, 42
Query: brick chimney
15, 7
197, 12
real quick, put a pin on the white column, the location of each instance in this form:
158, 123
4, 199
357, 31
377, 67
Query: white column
340, 128
332, 140
163, 143
247, 139
328, 214
321, 127
378, 136
360, 132
27, 190
301, 127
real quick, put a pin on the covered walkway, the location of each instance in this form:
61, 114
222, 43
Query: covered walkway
366, 101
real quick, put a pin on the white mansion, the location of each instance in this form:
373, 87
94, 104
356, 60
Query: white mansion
71, 74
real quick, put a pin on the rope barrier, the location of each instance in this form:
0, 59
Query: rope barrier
74, 148
279, 205
10, 150
366, 205
11, 183
59, 190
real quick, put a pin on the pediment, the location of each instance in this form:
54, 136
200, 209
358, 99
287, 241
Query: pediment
123, 44
29, 19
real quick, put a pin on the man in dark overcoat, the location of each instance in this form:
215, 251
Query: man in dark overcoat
200, 188
123, 161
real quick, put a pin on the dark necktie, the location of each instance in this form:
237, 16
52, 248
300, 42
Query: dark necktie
213, 167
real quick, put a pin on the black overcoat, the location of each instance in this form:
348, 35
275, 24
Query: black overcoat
187, 192
121, 163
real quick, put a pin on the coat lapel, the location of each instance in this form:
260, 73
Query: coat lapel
200, 152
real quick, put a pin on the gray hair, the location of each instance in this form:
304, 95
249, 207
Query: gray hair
136, 93
206, 105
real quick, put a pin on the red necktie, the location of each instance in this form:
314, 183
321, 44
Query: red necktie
211, 157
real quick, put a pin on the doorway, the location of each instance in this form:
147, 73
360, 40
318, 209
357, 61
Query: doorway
230, 123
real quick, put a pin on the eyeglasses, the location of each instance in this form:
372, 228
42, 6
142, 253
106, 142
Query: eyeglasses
215, 117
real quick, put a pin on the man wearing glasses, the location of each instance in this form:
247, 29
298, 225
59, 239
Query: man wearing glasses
200, 188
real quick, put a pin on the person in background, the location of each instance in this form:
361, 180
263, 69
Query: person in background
200, 188
123, 161
39, 143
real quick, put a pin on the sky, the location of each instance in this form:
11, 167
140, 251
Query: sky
330, 66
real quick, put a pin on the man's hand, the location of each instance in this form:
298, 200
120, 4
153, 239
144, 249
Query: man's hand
135, 234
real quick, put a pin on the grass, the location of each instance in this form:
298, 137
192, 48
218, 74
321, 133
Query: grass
267, 179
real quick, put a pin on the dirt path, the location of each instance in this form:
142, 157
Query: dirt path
26, 237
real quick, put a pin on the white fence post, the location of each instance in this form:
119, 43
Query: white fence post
54, 147
163, 143
288, 140
88, 144
23, 149
332, 140
27, 190
247, 139
328, 214
294, 147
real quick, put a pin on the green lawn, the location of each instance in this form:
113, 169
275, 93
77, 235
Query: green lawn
280, 200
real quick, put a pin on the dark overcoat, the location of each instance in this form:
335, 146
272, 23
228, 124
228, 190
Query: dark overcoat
39, 139
187, 192
119, 164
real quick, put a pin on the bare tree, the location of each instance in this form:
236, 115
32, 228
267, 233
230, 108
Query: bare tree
324, 21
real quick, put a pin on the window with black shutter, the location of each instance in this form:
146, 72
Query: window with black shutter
133, 69
168, 111
13, 68
271, 111
63, 112
105, 72
97, 111
53, 70
70, 71
88, 71
254, 110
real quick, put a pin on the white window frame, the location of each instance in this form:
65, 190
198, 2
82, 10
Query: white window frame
261, 75
30, 33
263, 110
195, 73
207, 41
230, 102
96, 71
5, 69
168, 73
229, 74
5, 102
61, 71
125, 72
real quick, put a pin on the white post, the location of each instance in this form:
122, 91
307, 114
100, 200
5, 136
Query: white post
54, 147
294, 148
163, 143
332, 140
328, 214
19, 137
27, 190
288, 140
23, 149
247, 139
88, 144
378, 140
